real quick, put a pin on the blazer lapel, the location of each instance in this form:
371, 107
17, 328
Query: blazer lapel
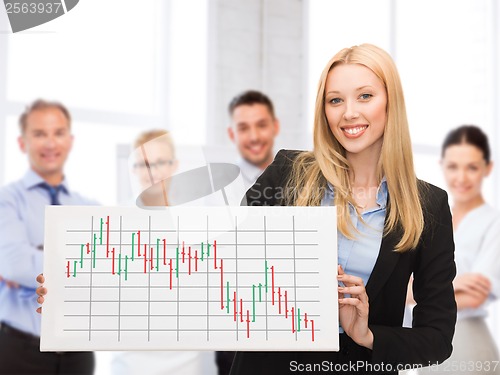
386, 261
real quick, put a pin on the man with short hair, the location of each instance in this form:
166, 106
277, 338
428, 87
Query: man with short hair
46, 139
253, 129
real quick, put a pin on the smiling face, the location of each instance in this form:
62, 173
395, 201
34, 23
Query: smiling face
253, 130
464, 169
355, 107
161, 161
47, 141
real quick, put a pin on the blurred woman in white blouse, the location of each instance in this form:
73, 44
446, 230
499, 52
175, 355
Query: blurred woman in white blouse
466, 163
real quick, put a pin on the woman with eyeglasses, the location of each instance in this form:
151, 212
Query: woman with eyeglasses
154, 162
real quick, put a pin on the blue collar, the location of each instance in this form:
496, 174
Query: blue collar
382, 193
32, 180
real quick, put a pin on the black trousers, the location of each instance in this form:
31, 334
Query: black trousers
351, 359
224, 360
20, 354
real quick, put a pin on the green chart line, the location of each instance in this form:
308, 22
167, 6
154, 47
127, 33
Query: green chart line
227, 303
266, 275
100, 236
298, 320
253, 297
177, 263
133, 242
157, 254
93, 250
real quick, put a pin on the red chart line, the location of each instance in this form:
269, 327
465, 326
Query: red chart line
286, 304
215, 254
151, 259
193, 254
241, 310
164, 252
170, 265
272, 278
279, 301
139, 243
107, 234
312, 329
235, 306
248, 324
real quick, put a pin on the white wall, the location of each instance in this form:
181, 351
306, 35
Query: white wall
258, 44
268, 45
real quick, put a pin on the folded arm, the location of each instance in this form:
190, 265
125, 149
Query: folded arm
20, 262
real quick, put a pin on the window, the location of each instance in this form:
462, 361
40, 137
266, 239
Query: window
120, 67
448, 66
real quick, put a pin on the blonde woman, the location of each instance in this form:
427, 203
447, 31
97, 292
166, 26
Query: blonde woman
390, 224
155, 162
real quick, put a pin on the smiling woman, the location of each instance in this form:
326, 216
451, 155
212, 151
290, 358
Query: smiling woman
355, 104
390, 224
466, 163
155, 162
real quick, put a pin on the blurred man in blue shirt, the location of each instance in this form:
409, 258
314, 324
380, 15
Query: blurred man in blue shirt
46, 139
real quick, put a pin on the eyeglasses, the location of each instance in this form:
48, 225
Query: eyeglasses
152, 165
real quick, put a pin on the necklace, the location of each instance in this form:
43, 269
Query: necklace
363, 196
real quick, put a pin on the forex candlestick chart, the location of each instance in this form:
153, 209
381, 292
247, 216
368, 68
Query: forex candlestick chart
245, 278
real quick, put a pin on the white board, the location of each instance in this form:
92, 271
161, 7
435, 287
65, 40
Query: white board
190, 278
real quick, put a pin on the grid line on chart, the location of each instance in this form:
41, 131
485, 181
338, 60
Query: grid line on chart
120, 284
259, 293
208, 284
149, 279
92, 238
236, 293
177, 273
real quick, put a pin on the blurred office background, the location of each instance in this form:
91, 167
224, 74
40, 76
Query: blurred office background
123, 66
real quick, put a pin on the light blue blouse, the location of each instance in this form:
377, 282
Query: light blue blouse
358, 256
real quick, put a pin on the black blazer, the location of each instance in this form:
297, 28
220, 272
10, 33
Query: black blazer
432, 264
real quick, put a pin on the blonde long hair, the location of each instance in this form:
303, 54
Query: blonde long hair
328, 162
159, 135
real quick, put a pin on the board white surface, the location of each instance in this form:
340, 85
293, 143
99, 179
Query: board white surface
190, 278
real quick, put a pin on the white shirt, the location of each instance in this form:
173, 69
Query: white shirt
249, 172
157, 363
477, 250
